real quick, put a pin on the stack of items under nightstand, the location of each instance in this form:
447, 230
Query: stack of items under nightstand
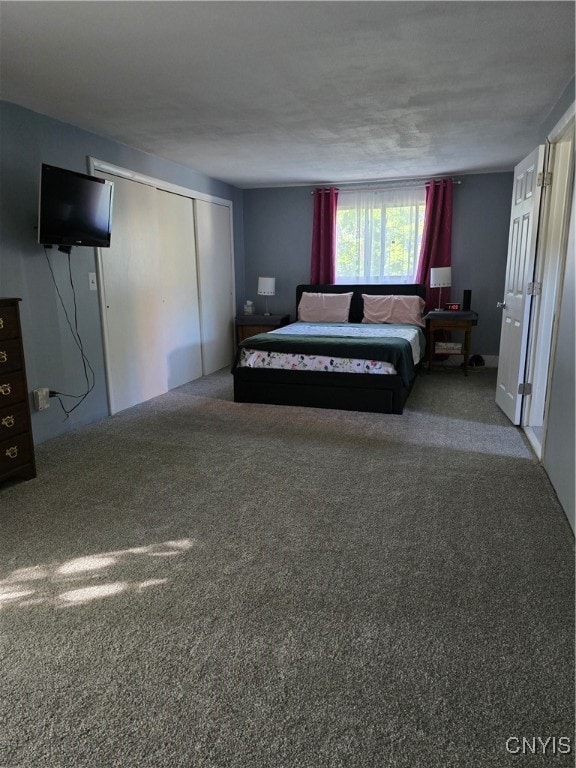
449, 320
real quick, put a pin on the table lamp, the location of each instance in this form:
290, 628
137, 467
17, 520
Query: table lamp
440, 277
266, 287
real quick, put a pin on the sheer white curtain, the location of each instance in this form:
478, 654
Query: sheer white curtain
378, 234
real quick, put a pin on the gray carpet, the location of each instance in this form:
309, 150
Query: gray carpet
197, 583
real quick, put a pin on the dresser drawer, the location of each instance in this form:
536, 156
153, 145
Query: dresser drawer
12, 388
8, 322
16, 452
10, 356
13, 420
16, 442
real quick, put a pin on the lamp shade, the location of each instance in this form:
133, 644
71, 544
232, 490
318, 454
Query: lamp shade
440, 277
266, 286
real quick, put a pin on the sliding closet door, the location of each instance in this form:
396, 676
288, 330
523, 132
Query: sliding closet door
216, 284
150, 295
179, 289
131, 303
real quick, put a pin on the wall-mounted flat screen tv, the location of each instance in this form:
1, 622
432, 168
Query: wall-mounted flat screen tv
74, 208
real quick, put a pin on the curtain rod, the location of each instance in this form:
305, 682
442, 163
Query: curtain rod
384, 184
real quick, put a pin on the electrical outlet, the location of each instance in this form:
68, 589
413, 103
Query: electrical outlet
92, 281
41, 398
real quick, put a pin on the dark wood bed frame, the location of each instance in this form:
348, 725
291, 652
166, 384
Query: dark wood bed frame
344, 391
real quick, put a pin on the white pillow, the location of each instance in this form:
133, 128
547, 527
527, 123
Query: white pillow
393, 309
324, 307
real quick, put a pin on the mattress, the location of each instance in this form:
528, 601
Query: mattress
337, 347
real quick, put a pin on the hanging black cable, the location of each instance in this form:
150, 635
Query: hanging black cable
89, 374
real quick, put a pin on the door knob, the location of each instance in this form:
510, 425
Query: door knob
501, 305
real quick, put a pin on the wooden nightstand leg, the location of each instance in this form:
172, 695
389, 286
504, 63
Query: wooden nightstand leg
467, 335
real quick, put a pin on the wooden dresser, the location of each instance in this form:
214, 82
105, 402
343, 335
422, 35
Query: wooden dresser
16, 444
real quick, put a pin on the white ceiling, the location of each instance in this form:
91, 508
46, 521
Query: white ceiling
282, 93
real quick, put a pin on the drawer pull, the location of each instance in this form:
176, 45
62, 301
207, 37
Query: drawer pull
12, 452
8, 421
1, 322
3, 356
5, 389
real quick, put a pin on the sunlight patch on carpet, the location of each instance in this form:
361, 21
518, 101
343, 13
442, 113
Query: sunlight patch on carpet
51, 584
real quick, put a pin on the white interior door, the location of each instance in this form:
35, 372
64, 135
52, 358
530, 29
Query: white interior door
519, 273
216, 284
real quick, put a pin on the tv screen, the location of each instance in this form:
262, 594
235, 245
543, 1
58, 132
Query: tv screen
74, 208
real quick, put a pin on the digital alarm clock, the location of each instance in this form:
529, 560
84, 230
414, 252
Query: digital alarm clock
452, 307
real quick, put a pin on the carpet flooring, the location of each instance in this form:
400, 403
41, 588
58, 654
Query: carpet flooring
197, 583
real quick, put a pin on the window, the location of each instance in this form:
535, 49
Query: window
378, 235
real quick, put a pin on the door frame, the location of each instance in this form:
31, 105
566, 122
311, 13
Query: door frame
551, 257
94, 165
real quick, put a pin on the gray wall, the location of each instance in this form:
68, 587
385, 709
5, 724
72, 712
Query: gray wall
559, 447
481, 223
52, 359
278, 239
564, 102
278, 236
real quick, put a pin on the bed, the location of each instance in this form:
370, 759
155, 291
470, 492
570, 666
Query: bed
341, 362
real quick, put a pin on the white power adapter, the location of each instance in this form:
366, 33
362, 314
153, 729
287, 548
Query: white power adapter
41, 398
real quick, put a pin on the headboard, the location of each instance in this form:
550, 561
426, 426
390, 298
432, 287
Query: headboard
357, 305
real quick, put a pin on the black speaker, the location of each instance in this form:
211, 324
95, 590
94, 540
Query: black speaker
466, 300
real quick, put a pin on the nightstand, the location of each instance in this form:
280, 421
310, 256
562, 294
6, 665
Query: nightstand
250, 325
444, 320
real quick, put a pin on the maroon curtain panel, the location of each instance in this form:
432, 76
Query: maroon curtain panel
436, 249
323, 262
